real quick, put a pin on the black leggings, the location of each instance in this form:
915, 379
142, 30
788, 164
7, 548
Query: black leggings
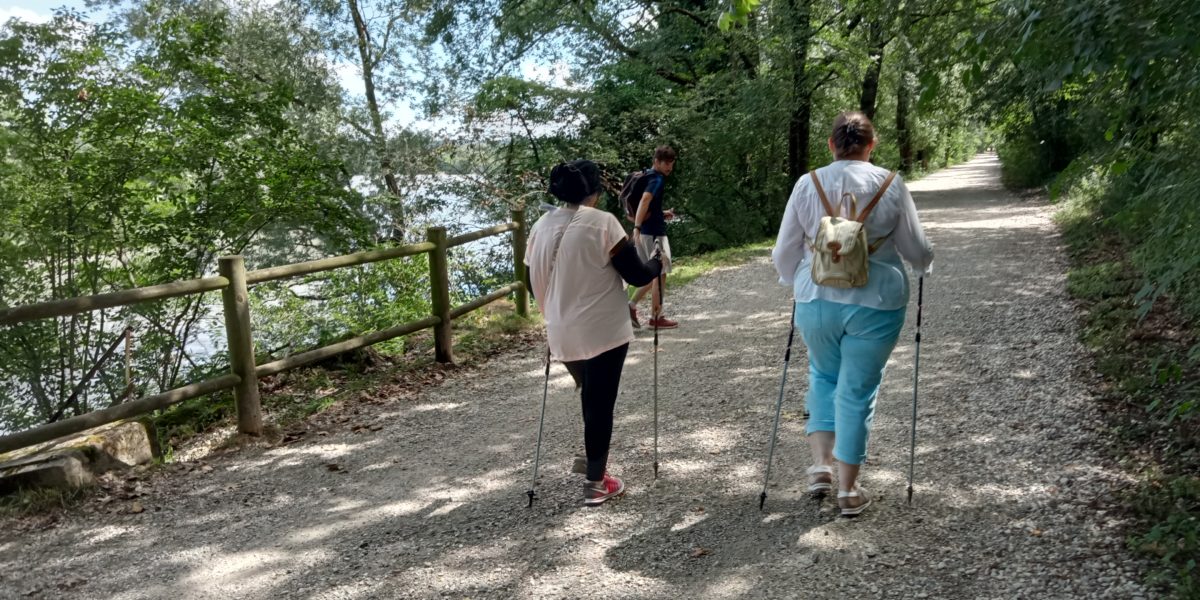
599, 376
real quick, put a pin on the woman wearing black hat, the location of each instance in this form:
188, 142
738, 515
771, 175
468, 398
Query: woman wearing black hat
579, 263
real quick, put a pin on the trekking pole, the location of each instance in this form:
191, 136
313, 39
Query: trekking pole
657, 253
912, 452
787, 357
537, 455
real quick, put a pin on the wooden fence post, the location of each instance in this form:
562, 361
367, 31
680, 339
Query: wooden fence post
241, 344
518, 241
439, 282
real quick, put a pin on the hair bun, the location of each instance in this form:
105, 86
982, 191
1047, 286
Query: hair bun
852, 132
556, 181
573, 182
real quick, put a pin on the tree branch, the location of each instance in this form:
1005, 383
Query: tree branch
834, 19
701, 21
828, 76
387, 37
633, 53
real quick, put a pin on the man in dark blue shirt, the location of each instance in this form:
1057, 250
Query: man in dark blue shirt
649, 227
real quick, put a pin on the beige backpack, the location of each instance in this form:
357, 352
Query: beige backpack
841, 251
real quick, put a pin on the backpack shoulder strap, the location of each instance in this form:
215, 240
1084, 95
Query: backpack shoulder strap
821, 193
878, 244
862, 218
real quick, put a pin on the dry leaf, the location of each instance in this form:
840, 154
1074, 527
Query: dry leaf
137, 508
697, 552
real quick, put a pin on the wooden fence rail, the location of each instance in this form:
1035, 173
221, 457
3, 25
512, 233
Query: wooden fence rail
234, 282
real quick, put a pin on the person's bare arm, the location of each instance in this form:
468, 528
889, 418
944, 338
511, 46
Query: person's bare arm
642, 211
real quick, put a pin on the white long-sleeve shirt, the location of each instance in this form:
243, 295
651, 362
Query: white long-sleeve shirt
895, 217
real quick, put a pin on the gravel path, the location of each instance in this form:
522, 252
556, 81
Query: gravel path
1014, 496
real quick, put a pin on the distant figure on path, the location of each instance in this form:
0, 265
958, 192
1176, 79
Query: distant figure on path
650, 236
577, 257
850, 330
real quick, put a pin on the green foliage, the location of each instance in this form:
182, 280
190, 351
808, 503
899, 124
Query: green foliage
129, 165
1111, 279
1173, 504
1141, 351
1099, 282
1099, 97
738, 14
744, 106
293, 316
1105, 83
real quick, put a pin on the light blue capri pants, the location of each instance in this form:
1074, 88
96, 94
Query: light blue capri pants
848, 348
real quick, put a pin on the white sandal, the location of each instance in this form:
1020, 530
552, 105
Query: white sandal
853, 502
820, 480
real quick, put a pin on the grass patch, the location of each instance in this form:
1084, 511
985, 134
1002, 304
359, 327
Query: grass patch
687, 268
179, 423
491, 330
39, 501
306, 392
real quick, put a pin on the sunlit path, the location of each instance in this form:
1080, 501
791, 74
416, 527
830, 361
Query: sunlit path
1012, 499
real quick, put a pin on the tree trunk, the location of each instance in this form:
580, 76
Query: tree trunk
799, 134
868, 99
800, 125
380, 136
903, 131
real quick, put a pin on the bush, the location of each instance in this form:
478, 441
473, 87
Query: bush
1132, 236
1174, 541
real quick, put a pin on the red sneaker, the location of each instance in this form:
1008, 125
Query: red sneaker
663, 323
633, 317
596, 493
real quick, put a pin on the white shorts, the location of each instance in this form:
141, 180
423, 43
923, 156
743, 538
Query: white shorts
645, 249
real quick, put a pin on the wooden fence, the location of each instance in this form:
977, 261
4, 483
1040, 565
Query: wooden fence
234, 280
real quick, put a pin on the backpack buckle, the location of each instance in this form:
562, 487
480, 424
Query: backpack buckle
836, 247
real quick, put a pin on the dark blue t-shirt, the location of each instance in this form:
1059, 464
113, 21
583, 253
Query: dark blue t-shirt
655, 223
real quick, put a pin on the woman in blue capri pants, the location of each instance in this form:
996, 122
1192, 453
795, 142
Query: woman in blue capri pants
850, 332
